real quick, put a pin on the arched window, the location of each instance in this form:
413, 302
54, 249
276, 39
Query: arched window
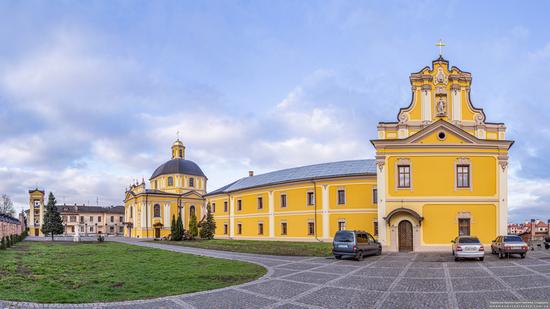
131, 212
156, 211
191, 182
191, 210
170, 181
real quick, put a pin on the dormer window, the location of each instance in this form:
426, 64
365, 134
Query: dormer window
191, 182
170, 181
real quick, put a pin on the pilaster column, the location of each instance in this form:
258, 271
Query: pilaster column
324, 211
271, 214
503, 195
381, 187
231, 217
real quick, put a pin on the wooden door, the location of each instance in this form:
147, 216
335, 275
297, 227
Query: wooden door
35, 232
157, 233
405, 236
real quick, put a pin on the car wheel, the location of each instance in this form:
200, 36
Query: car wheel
456, 259
359, 256
523, 255
453, 253
338, 257
481, 259
379, 252
493, 251
500, 255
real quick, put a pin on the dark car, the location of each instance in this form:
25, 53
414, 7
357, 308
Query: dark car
356, 244
508, 245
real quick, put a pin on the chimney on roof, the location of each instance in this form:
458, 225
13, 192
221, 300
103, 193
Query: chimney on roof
250, 173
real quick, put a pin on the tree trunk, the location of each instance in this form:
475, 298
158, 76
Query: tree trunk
52, 236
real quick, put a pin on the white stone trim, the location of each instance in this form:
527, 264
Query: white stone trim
271, 206
381, 186
325, 211
425, 98
457, 104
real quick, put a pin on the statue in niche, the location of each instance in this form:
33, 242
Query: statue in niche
441, 107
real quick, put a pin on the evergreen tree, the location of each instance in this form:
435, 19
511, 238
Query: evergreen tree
8, 244
193, 228
208, 227
179, 228
3, 243
53, 224
173, 228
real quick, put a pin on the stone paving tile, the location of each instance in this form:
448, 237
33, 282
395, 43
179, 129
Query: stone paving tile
542, 294
426, 265
290, 306
278, 272
336, 269
509, 271
425, 273
266, 262
477, 300
394, 264
421, 285
498, 264
416, 300
379, 272
468, 272
463, 264
312, 277
278, 288
527, 281
365, 283
227, 299
476, 284
542, 268
341, 298
434, 257
527, 261
299, 266
161, 304
322, 260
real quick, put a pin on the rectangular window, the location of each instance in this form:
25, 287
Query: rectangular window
121, 219
225, 229
341, 225
225, 206
283, 200
213, 207
375, 196
283, 228
260, 203
121, 229
260, 228
404, 176
310, 228
239, 229
72, 228
463, 176
464, 227
112, 219
112, 229
310, 198
341, 197
91, 219
91, 229
73, 218
239, 205
98, 219
191, 182
170, 181
375, 228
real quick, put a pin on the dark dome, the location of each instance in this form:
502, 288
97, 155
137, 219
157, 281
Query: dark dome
178, 166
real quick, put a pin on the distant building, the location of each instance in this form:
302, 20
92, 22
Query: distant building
11, 226
536, 230
88, 220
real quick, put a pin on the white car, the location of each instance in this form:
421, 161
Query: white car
468, 247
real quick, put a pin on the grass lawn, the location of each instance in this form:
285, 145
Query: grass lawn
261, 246
64, 272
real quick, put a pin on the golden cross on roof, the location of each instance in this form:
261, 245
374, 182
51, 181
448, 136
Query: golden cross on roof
178, 135
440, 44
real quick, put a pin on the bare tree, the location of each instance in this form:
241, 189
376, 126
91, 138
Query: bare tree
6, 205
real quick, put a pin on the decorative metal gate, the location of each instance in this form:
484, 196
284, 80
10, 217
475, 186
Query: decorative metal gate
405, 236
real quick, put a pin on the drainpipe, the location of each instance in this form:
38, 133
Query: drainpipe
229, 215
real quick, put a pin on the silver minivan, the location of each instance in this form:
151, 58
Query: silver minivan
356, 244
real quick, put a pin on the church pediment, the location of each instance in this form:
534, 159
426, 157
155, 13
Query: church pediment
193, 194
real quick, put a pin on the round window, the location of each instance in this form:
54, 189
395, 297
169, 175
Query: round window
441, 135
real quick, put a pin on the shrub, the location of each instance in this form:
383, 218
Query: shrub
193, 229
3, 244
8, 243
100, 238
208, 227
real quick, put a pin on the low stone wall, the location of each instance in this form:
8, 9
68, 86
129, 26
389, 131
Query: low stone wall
9, 226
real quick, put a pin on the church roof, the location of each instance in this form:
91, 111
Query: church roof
178, 166
87, 209
303, 173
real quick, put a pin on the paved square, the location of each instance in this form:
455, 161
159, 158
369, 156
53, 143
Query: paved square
412, 280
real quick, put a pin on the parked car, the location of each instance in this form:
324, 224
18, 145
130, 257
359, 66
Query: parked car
468, 247
507, 245
547, 242
356, 244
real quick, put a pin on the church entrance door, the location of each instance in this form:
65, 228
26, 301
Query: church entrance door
157, 232
405, 233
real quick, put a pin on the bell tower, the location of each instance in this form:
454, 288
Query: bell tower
36, 211
178, 150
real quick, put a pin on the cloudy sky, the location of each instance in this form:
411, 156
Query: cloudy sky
93, 93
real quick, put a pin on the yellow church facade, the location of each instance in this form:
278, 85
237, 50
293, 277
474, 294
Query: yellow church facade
176, 187
440, 171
